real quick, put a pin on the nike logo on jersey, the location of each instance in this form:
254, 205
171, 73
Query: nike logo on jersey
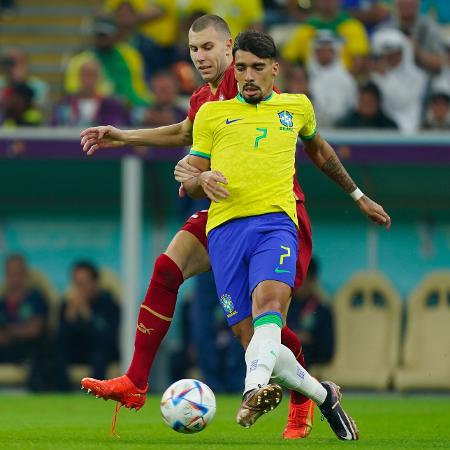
228, 121
278, 270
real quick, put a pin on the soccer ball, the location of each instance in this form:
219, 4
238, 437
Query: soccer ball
188, 406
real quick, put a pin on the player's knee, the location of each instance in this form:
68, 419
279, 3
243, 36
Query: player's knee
265, 303
167, 272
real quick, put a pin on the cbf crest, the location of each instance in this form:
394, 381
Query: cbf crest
227, 305
286, 119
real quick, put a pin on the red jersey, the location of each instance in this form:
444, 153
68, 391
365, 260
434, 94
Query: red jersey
227, 89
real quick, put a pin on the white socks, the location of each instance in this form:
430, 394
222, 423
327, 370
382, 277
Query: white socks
263, 350
289, 373
266, 358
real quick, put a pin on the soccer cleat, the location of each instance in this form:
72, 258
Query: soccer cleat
258, 402
300, 420
341, 423
120, 389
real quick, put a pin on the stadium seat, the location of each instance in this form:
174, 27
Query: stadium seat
367, 313
426, 350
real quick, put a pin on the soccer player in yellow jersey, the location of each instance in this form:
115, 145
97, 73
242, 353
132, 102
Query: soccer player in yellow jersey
248, 144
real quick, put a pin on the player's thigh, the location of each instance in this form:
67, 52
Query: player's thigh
189, 254
227, 249
273, 268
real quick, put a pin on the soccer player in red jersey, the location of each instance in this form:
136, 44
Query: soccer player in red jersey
211, 52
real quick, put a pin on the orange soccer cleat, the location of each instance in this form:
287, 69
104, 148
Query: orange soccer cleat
300, 420
120, 389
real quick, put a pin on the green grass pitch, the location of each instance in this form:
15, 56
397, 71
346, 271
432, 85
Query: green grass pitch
83, 422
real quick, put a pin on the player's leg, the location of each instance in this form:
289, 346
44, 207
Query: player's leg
271, 279
229, 248
301, 408
289, 373
185, 256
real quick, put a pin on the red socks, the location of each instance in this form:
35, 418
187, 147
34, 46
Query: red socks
292, 342
154, 318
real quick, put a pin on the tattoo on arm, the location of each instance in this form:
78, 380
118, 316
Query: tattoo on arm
334, 169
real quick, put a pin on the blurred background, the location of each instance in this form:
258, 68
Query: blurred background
78, 235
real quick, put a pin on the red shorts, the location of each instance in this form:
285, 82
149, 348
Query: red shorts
196, 225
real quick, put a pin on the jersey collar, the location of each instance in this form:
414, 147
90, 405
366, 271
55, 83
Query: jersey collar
241, 99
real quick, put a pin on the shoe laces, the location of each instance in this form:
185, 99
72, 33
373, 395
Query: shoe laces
114, 420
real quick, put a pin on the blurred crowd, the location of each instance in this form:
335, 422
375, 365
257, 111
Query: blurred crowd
47, 336
363, 63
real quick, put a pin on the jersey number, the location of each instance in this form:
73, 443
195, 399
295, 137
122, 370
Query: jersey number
262, 135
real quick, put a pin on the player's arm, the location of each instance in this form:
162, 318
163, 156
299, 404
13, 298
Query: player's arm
206, 183
324, 157
176, 135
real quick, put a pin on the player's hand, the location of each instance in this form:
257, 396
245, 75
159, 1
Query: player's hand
212, 183
374, 211
184, 171
101, 137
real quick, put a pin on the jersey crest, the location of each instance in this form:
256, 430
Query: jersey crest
286, 119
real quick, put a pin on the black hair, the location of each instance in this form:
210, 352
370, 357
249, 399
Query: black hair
371, 88
88, 266
260, 44
440, 96
211, 20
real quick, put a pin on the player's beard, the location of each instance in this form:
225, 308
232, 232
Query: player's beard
254, 99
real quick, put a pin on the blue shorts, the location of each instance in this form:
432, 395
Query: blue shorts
244, 252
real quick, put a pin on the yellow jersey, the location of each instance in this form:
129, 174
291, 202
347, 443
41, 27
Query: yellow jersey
254, 147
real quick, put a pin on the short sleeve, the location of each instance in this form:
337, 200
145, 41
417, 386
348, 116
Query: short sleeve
308, 131
202, 135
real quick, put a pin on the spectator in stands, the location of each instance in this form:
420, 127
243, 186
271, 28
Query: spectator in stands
368, 113
23, 321
422, 31
89, 325
127, 19
369, 12
122, 66
297, 80
164, 111
311, 319
437, 112
15, 69
441, 82
333, 89
283, 11
329, 16
18, 107
157, 21
88, 107
401, 82
240, 15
